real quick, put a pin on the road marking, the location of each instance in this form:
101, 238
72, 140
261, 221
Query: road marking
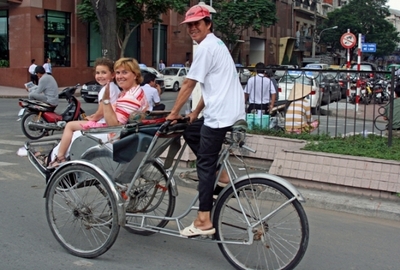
9, 142
7, 164
2, 151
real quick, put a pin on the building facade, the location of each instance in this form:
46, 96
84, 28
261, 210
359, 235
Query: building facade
40, 29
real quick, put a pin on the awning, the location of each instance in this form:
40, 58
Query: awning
286, 47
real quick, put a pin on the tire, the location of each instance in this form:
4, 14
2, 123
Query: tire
315, 111
89, 100
82, 215
150, 195
279, 242
32, 134
175, 87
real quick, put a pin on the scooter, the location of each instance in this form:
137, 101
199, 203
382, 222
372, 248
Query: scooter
39, 119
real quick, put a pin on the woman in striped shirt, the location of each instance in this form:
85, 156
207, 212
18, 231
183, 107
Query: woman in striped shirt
298, 114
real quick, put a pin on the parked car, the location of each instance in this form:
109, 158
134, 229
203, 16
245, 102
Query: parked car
90, 91
367, 69
287, 82
282, 70
330, 87
174, 77
316, 66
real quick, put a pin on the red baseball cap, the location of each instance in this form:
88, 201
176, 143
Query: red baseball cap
196, 13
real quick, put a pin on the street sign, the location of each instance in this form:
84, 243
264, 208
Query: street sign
348, 40
362, 38
368, 47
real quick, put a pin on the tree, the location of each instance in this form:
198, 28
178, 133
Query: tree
105, 13
129, 16
234, 17
366, 17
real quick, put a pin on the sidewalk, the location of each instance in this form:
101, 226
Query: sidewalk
379, 208
368, 112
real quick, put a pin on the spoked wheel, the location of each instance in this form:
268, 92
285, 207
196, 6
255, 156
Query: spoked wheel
32, 133
82, 211
279, 241
150, 195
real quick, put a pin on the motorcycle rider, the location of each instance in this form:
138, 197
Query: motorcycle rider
47, 89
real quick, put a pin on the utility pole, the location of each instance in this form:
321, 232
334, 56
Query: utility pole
315, 30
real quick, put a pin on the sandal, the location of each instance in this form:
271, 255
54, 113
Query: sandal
193, 231
57, 162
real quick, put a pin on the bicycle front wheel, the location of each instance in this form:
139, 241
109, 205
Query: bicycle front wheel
82, 211
278, 241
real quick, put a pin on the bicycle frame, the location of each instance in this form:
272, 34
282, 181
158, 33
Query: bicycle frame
225, 164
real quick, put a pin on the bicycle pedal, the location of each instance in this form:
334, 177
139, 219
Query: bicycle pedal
203, 237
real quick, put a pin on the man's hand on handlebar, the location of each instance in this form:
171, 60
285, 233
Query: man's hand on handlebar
173, 117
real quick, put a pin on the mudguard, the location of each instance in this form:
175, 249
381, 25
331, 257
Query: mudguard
279, 180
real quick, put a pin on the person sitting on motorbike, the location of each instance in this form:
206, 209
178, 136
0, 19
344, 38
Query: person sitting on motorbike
298, 114
396, 113
47, 89
153, 92
131, 99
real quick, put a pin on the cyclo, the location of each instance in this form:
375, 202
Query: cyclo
259, 220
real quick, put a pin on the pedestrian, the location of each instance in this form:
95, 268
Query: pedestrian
298, 114
161, 66
153, 92
187, 63
260, 91
47, 66
47, 89
214, 69
31, 70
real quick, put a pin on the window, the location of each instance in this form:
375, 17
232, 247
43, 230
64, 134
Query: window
57, 44
94, 45
4, 54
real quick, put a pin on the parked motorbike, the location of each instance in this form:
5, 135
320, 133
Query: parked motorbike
38, 118
380, 93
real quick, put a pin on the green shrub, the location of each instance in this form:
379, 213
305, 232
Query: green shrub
373, 146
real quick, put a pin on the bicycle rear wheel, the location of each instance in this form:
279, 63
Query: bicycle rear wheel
279, 241
82, 211
152, 196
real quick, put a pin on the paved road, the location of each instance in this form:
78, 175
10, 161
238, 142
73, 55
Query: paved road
337, 240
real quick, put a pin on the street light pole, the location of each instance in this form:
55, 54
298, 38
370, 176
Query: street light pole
317, 38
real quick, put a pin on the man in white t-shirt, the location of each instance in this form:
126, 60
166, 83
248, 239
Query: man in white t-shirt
260, 91
31, 70
47, 66
161, 66
223, 104
152, 91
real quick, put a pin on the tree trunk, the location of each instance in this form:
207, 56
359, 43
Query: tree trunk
235, 52
106, 12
